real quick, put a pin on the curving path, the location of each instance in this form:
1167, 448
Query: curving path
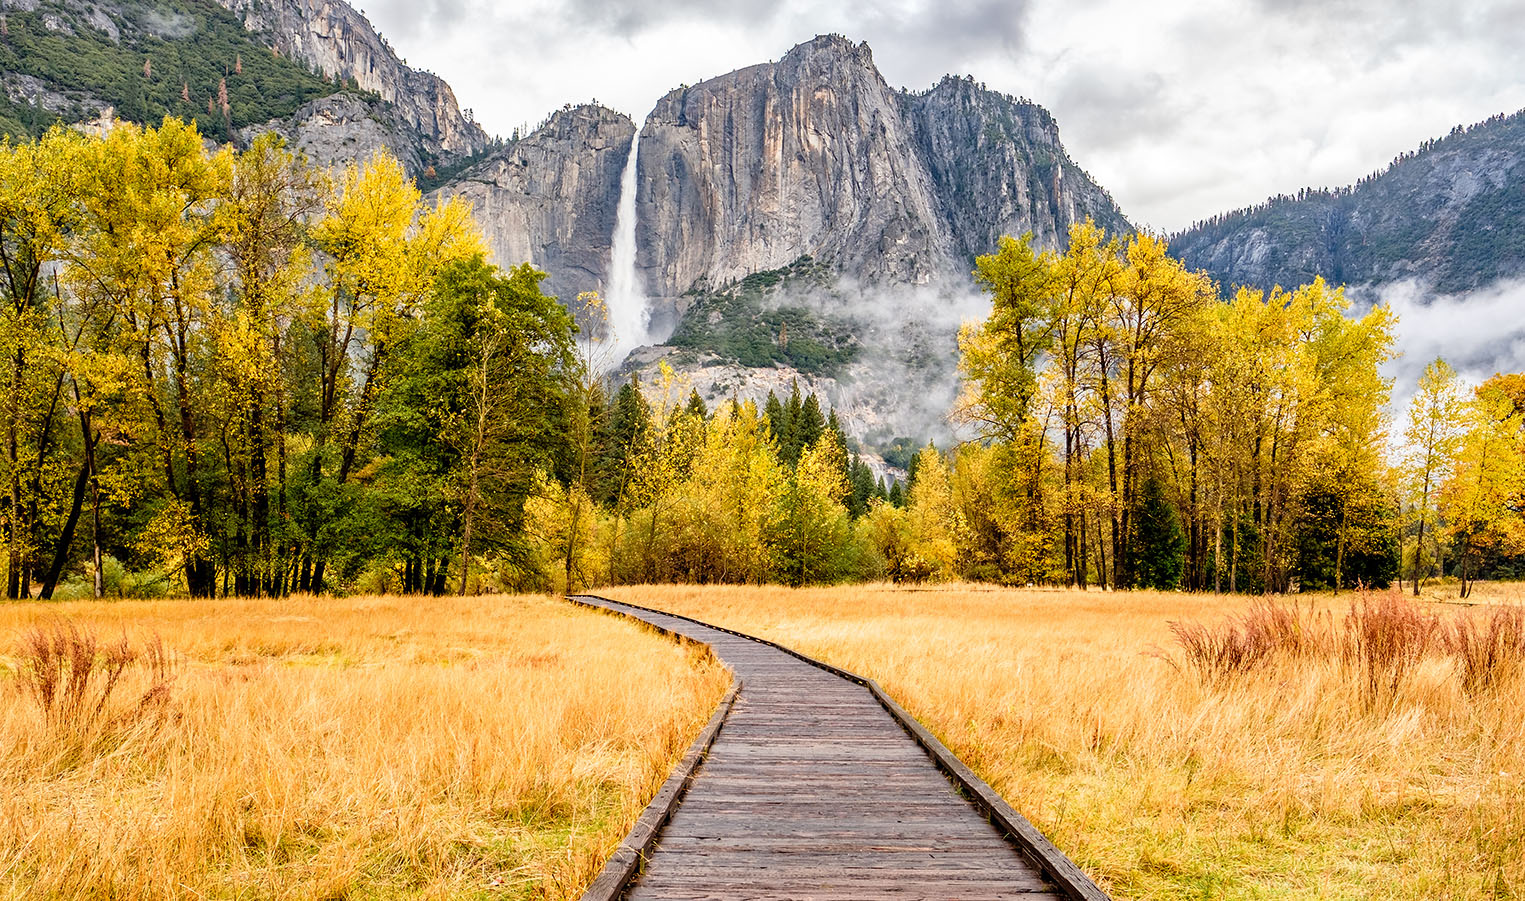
812, 789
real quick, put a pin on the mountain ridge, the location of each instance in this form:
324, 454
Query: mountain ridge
1450, 214
338, 40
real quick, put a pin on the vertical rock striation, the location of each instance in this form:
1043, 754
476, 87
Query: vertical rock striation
748, 171
816, 155
999, 169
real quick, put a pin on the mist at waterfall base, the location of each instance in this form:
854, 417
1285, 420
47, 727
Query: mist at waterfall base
629, 309
904, 381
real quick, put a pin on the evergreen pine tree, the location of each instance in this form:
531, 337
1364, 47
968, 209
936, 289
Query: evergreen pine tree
695, 406
777, 424
910, 469
1161, 544
629, 422
861, 481
806, 425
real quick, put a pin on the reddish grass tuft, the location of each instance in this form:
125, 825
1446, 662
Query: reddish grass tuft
1386, 635
1380, 640
77, 681
1489, 653
1267, 631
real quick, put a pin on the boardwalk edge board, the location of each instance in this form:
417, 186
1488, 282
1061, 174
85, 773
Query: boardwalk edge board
625, 863
1055, 864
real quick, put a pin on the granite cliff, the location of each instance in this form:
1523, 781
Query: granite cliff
550, 198
334, 38
812, 156
809, 155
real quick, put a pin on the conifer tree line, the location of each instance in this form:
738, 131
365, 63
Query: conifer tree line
236, 374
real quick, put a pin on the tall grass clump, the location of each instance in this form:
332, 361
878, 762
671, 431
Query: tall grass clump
1245, 642
93, 694
1491, 652
1380, 641
1386, 635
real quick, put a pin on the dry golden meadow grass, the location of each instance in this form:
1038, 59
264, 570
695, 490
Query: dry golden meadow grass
362, 748
1286, 782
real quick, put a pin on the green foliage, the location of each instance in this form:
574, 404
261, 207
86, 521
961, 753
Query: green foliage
192, 47
758, 323
467, 419
1160, 544
1371, 549
900, 452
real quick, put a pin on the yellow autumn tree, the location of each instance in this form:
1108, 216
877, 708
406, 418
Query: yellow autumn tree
813, 534
1436, 427
1482, 496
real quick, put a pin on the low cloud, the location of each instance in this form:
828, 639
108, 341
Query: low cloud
1478, 333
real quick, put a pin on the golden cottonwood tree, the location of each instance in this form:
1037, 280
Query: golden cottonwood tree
812, 530
722, 512
272, 196
149, 204
1482, 501
1433, 438
39, 183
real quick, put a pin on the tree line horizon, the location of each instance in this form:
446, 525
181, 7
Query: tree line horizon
238, 374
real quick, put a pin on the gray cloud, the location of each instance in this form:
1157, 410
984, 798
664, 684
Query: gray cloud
626, 18
1479, 333
1180, 113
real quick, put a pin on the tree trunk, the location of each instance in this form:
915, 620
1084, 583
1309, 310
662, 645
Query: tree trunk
66, 537
1339, 546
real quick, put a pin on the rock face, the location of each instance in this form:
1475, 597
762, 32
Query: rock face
1450, 215
337, 40
343, 128
748, 171
999, 169
551, 198
816, 155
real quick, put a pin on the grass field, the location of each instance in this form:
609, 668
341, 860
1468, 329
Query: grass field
369, 748
1295, 778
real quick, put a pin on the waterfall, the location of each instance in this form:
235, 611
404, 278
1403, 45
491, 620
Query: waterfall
629, 314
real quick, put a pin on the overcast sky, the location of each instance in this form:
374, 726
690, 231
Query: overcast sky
1180, 112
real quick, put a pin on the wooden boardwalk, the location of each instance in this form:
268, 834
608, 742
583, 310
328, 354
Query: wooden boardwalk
813, 790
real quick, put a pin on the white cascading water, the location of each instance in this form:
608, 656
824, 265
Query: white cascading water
629, 312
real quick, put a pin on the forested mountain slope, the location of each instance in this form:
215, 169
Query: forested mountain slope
1450, 214
316, 72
